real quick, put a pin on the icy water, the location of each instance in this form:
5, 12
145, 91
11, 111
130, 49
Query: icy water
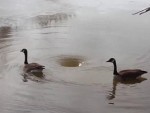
74, 39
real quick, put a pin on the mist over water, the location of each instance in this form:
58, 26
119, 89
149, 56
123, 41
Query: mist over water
73, 39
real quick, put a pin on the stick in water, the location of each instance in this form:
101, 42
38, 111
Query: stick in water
142, 11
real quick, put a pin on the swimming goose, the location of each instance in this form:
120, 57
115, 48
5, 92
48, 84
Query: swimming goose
130, 73
31, 67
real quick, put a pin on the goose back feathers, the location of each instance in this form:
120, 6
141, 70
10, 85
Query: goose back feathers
33, 67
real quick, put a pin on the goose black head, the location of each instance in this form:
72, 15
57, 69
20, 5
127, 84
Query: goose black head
24, 50
111, 60
26, 55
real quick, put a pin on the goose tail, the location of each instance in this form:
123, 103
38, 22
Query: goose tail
143, 72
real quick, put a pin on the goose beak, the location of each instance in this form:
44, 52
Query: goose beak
107, 61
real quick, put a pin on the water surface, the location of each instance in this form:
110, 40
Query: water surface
73, 39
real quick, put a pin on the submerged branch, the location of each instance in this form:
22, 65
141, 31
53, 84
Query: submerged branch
142, 11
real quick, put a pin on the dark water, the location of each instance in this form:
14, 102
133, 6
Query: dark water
73, 39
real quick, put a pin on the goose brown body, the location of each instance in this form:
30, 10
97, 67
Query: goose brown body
130, 73
31, 67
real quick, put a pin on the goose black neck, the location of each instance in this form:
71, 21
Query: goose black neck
115, 68
26, 57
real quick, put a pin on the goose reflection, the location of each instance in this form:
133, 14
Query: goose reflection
116, 81
33, 76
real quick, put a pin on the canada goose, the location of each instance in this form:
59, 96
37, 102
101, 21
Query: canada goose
31, 67
130, 73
